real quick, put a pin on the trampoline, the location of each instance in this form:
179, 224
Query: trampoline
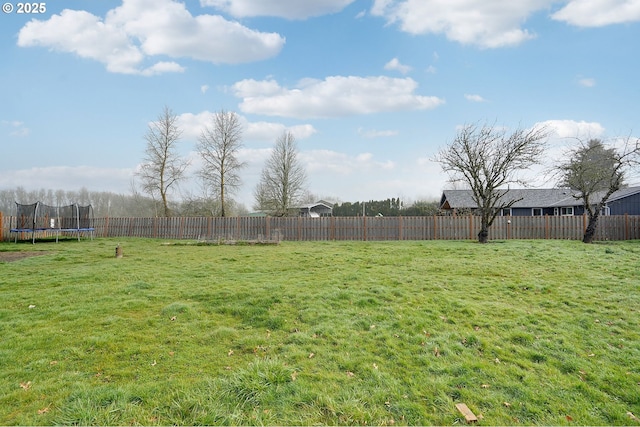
45, 219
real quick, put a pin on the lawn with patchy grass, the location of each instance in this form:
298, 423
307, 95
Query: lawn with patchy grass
387, 333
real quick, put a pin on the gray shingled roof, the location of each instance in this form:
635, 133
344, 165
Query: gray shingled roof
625, 192
529, 197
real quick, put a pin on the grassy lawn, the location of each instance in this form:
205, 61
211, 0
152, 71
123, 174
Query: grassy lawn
338, 333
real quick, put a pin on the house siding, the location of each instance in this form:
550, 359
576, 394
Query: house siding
628, 205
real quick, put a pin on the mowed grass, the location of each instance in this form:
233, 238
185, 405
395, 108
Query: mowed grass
333, 333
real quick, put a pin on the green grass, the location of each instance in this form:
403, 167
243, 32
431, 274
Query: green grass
332, 333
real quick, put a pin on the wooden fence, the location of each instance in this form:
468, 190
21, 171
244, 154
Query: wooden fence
625, 227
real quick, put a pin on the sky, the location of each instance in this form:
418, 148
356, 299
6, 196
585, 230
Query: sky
371, 89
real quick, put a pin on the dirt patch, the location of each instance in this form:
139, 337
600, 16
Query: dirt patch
17, 256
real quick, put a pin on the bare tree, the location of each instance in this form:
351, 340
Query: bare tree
596, 172
283, 181
162, 168
487, 159
218, 146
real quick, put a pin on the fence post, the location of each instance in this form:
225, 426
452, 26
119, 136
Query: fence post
332, 232
400, 237
435, 227
267, 228
364, 228
626, 226
1, 227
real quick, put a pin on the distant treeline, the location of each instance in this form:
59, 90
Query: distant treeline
104, 203
108, 204
388, 207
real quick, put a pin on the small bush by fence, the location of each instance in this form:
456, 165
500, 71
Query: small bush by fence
625, 227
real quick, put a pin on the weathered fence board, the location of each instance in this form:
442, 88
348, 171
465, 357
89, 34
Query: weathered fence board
623, 227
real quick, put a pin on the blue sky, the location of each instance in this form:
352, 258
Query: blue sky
370, 88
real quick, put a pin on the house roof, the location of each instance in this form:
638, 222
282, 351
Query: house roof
527, 198
625, 192
530, 197
318, 203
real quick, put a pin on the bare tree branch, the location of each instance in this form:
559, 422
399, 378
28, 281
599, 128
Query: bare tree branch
218, 146
162, 167
283, 180
487, 159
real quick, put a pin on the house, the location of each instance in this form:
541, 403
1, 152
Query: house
321, 208
546, 201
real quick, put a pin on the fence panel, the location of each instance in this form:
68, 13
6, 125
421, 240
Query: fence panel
458, 228
347, 228
415, 228
623, 227
612, 228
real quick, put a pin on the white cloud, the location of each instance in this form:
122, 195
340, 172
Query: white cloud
85, 35
21, 132
16, 128
289, 9
395, 64
587, 82
161, 68
334, 96
598, 13
192, 125
373, 133
270, 131
474, 98
204, 88
573, 129
255, 156
327, 161
131, 34
485, 23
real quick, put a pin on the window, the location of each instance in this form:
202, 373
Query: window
536, 211
506, 212
606, 210
566, 211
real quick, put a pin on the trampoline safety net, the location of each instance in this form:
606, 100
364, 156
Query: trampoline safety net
40, 217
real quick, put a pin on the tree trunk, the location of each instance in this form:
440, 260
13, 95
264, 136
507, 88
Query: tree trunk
483, 235
590, 232
222, 210
485, 223
165, 204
